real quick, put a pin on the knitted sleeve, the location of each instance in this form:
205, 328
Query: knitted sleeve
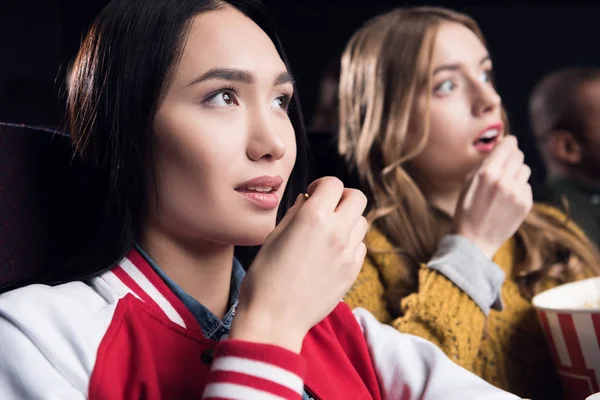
368, 292
445, 315
439, 311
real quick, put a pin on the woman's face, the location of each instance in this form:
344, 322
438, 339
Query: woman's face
465, 121
225, 146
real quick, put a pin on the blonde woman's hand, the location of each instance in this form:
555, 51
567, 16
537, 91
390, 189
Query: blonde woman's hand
496, 199
305, 266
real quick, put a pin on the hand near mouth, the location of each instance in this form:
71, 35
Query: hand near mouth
305, 266
496, 200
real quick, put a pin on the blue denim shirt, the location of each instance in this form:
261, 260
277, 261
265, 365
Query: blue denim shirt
212, 327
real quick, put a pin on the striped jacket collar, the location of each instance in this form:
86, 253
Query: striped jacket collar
133, 275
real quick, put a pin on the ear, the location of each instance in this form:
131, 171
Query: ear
564, 147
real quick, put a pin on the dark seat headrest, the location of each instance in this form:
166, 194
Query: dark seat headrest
44, 207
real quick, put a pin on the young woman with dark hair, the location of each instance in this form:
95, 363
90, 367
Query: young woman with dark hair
185, 113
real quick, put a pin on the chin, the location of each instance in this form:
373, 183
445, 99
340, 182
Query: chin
253, 234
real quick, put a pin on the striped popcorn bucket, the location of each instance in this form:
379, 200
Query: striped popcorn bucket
570, 317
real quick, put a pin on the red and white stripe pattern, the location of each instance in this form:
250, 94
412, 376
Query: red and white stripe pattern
574, 340
240, 370
253, 371
134, 275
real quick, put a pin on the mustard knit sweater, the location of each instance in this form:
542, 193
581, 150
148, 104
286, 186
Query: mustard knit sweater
507, 348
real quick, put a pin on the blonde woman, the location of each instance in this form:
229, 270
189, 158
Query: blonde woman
456, 248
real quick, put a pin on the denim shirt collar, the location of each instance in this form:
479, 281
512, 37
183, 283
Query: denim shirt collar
212, 327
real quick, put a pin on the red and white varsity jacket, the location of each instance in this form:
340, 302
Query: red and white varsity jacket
125, 335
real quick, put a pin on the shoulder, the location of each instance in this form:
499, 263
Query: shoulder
35, 301
377, 240
380, 250
384, 260
550, 210
559, 217
65, 322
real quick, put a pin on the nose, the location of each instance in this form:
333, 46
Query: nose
265, 140
486, 99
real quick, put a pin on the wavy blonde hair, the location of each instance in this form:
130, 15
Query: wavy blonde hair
385, 67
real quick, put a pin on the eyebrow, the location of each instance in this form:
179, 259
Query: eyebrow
239, 75
283, 78
454, 67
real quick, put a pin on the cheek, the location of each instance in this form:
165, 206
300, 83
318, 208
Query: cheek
446, 154
193, 140
194, 159
447, 124
182, 168
187, 149
195, 181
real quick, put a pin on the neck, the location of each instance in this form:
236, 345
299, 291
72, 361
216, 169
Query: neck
443, 197
202, 269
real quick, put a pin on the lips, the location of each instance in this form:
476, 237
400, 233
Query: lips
262, 184
488, 138
261, 191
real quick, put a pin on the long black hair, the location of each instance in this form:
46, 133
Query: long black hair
117, 83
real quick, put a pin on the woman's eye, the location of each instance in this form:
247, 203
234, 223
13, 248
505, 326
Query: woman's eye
223, 98
445, 87
486, 76
282, 102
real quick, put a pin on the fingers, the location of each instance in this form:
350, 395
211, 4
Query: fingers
357, 234
514, 171
510, 170
355, 247
350, 208
492, 170
528, 197
523, 198
325, 193
505, 166
468, 190
523, 174
291, 212
359, 256
512, 164
500, 154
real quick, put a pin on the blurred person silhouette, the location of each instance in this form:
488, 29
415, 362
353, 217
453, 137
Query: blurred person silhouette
325, 117
565, 118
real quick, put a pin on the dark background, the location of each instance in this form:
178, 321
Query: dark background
38, 39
